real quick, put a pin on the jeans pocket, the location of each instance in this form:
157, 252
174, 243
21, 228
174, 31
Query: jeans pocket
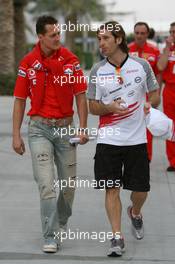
33, 128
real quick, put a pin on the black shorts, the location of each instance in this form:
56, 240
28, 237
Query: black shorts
126, 166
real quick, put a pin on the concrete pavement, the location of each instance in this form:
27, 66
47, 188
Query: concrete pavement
20, 229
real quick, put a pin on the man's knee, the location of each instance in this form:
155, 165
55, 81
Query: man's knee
47, 191
113, 192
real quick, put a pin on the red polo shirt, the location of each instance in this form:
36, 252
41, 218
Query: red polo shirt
148, 52
50, 82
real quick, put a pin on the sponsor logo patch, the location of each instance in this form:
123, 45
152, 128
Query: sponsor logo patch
34, 81
131, 93
21, 73
138, 79
60, 58
77, 66
151, 58
37, 65
31, 74
68, 69
111, 92
119, 80
136, 54
128, 84
131, 71
106, 74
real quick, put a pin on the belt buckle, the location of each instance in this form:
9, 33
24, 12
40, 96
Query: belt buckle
60, 122
52, 121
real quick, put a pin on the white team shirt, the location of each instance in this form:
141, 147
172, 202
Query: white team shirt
105, 85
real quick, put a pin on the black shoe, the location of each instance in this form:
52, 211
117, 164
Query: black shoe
170, 168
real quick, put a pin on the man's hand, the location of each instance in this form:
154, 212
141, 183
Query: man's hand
147, 107
169, 41
117, 108
84, 138
18, 145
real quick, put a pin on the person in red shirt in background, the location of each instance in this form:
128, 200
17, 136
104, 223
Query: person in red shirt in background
50, 75
166, 63
141, 48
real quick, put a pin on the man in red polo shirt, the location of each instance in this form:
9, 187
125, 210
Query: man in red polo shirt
141, 48
51, 76
166, 63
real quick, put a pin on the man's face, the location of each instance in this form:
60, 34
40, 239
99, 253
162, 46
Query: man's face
51, 39
172, 33
107, 43
140, 34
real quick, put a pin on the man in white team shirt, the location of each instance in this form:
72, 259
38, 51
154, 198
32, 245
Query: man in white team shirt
116, 93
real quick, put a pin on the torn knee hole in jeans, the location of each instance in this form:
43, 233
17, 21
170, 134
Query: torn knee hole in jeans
42, 157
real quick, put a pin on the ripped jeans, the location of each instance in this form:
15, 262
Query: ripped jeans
47, 148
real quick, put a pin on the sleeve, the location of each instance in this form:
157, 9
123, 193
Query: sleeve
21, 89
72, 64
79, 84
92, 85
151, 81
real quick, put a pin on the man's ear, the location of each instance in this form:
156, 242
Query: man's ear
119, 40
40, 36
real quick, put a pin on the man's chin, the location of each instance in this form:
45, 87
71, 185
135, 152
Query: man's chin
105, 54
56, 47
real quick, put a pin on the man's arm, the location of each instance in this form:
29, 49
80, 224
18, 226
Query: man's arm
18, 114
98, 108
154, 98
159, 80
82, 110
163, 60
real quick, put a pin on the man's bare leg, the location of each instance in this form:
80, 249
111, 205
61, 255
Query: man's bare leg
138, 199
114, 208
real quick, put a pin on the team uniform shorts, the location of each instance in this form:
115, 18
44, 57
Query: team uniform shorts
126, 166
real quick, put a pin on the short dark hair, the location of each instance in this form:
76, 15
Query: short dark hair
172, 24
117, 31
140, 23
42, 21
151, 33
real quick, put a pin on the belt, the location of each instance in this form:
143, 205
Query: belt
60, 122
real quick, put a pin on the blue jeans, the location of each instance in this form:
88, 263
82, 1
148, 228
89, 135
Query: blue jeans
47, 148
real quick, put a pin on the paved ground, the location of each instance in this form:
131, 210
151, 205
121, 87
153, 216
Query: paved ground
20, 230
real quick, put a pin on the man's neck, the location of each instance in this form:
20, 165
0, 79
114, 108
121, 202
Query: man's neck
47, 52
118, 58
140, 45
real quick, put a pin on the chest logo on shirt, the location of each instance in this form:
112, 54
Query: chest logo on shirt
148, 56
37, 65
136, 54
132, 71
131, 93
60, 58
31, 73
119, 80
138, 79
151, 58
68, 69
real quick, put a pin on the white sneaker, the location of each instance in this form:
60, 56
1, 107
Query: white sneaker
50, 246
